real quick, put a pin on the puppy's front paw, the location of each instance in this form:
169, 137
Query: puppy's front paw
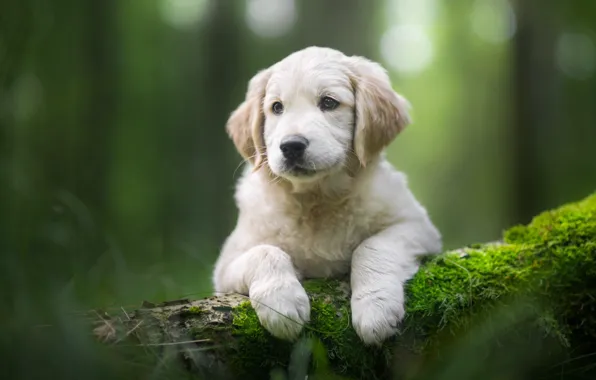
281, 305
375, 318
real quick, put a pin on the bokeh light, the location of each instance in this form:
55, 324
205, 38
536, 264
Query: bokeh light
407, 49
183, 14
270, 18
493, 20
575, 55
407, 45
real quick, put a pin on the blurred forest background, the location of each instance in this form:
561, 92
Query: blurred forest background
117, 175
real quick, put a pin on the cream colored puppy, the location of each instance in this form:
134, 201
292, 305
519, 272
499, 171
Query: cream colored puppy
318, 198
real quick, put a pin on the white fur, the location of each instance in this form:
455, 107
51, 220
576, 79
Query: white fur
346, 218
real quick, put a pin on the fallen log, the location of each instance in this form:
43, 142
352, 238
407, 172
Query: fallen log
526, 304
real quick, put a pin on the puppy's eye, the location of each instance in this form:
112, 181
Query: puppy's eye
328, 104
277, 108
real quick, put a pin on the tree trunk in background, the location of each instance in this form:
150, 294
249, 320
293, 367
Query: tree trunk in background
202, 150
536, 107
222, 54
57, 84
101, 51
320, 22
137, 167
572, 143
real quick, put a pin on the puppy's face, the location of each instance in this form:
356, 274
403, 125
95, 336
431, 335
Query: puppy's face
308, 114
309, 118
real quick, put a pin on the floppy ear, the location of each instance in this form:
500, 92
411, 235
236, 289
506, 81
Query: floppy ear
245, 124
380, 112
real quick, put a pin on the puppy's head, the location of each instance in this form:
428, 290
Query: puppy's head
305, 116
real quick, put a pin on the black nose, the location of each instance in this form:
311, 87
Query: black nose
293, 147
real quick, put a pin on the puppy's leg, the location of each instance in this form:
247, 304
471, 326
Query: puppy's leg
265, 273
380, 266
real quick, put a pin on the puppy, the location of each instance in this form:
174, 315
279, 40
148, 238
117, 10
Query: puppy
317, 197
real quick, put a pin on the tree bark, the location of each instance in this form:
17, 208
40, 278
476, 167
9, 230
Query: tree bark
526, 299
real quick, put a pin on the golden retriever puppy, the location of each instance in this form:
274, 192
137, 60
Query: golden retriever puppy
317, 197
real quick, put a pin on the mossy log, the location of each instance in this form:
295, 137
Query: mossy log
534, 292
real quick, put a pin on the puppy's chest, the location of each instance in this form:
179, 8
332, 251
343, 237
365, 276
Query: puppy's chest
321, 239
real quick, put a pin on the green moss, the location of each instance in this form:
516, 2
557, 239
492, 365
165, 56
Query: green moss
333, 288
256, 351
331, 323
548, 264
192, 311
551, 257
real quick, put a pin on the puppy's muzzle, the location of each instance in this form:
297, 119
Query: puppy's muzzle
293, 147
